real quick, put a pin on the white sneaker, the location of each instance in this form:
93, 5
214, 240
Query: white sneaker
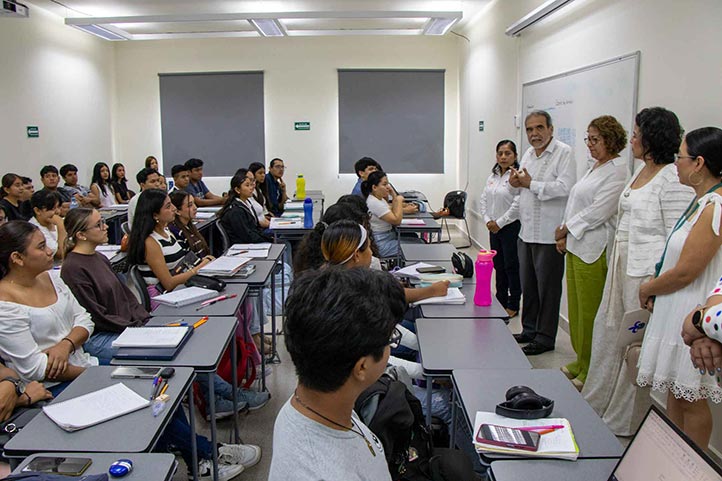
246, 455
226, 472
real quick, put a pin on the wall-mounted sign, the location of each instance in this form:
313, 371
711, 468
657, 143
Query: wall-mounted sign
33, 131
302, 126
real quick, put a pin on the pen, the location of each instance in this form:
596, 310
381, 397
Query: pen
237, 253
152, 389
553, 427
165, 388
200, 322
175, 324
213, 301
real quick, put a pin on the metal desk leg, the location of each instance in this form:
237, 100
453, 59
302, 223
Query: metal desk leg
452, 438
263, 355
275, 358
192, 421
214, 434
428, 399
234, 386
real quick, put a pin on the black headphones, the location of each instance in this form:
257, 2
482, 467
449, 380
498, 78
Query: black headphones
523, 403
462, 264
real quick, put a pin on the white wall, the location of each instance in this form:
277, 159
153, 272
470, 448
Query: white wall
61, 80
680, 69
300, 85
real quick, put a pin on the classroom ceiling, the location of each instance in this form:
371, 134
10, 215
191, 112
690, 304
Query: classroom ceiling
169, 19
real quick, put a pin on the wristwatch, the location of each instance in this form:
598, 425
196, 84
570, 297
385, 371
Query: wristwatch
697, 319
19, 385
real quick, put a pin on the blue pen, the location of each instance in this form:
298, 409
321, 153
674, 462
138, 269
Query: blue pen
152, 390
175, 324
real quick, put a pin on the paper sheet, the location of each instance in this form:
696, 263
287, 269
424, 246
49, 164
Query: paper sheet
151, 337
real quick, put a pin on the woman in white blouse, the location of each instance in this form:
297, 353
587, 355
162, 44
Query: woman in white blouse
101, 192
500, 209
46, 209
42, 326
376, 189
589, 220
650, 205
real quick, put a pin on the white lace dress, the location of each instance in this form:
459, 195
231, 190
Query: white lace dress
665, 362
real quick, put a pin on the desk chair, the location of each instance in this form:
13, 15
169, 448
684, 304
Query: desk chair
125, 227
225, 242
138, 283
455, 201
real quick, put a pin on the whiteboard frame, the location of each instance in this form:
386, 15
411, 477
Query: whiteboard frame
635, 55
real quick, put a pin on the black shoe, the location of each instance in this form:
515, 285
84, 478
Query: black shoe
535, 348
522, 338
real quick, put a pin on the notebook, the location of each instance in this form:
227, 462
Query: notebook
280, 223
453, 296
659, 450
558, 444
152, 337
95, 407
412, 222
185, 296
411, 271
224, 266
254, 251
153, 353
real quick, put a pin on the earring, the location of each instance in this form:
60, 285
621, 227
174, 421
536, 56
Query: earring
695, 184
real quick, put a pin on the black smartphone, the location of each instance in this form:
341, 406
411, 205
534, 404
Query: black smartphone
64, 466
127, 372
431, 270
508, 437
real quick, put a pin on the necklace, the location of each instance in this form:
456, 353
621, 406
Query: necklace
359, 432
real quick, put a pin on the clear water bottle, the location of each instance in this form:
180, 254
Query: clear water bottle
484, 266
73, 202
308, 213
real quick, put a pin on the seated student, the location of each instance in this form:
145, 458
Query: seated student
120, 184
257, 208
101, 192
237, 216
181, 177
151, 163
69, 173
147, 179
46, 205
204, 197
376, 189
183, 227
259, 195
11, 197
363, 167
163, 183
317, 435
3, 219
50, 179
275, 188
28, 190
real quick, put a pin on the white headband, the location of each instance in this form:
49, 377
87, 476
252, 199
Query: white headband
361, 242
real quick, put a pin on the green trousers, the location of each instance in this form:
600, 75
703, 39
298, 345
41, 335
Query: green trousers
585, 284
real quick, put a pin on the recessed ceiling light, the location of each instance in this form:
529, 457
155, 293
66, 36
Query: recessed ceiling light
439, 26
268, 27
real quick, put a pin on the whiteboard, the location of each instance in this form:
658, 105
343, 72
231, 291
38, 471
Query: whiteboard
575, 98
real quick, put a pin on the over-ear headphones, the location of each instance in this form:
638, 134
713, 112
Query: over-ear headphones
522, 402
462, 264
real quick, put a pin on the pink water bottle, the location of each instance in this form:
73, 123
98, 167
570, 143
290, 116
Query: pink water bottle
483, 266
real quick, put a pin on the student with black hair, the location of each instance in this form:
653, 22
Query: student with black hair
11, 197
275, 187
181, 177
50, 178
69, 173
183, 227
237, 216
147, 178
203, 196
151, 163
257, 208
363, 167
46, 207
317, 435
101, 191
120, 184
384, 217
259, 174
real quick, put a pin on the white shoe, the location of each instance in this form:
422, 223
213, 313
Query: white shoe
246, 455
226, 472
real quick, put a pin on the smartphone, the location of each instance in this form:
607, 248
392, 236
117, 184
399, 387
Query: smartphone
508, 437
245, 271
136, 372
431, 270
64, 466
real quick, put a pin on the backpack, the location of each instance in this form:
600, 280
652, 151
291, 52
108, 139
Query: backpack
394, 415
455, 201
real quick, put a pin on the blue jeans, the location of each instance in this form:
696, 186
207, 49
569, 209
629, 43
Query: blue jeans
387, 243
178, 435
100, 346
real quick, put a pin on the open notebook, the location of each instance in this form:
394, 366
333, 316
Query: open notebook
185, 296
95, 407
152, 337
453, 296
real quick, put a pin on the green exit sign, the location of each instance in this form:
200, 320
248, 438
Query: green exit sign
33, 131
481, 126
302, 126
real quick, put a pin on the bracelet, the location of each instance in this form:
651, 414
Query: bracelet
30, 401
71, 343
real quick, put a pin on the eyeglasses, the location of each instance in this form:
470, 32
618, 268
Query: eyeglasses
592, 140
395, 339
677, 157
100, 225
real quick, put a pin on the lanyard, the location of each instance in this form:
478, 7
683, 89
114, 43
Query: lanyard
691, 208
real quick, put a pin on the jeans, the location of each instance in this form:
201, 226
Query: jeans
100, 346
280, 294
177, 435
387, 243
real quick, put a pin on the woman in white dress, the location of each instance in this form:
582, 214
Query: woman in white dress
101, 192
692, 262
46, 209
650, 204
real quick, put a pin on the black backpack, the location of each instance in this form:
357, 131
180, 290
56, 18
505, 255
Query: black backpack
455, 201
394, 414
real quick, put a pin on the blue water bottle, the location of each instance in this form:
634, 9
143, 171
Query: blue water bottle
308, 213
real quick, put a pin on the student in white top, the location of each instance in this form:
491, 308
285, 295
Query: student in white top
589, 222
384, 217
46, 210
147, 179
317, 434
500, 209
548, 172
101, 193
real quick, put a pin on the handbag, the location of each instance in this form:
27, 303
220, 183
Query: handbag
206, 282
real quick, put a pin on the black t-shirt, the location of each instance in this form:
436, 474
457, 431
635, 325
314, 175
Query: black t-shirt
13, 212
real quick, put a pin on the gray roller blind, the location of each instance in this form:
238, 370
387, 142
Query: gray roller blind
216, 117
394, 116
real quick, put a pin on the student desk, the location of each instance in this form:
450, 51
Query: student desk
256, 282
135, 432
318, 200
295, 232
227, 308
553, 469
202, 352
468, 310
481, 390
114, 219
428, 253
448, 344
146, 467
207, 227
